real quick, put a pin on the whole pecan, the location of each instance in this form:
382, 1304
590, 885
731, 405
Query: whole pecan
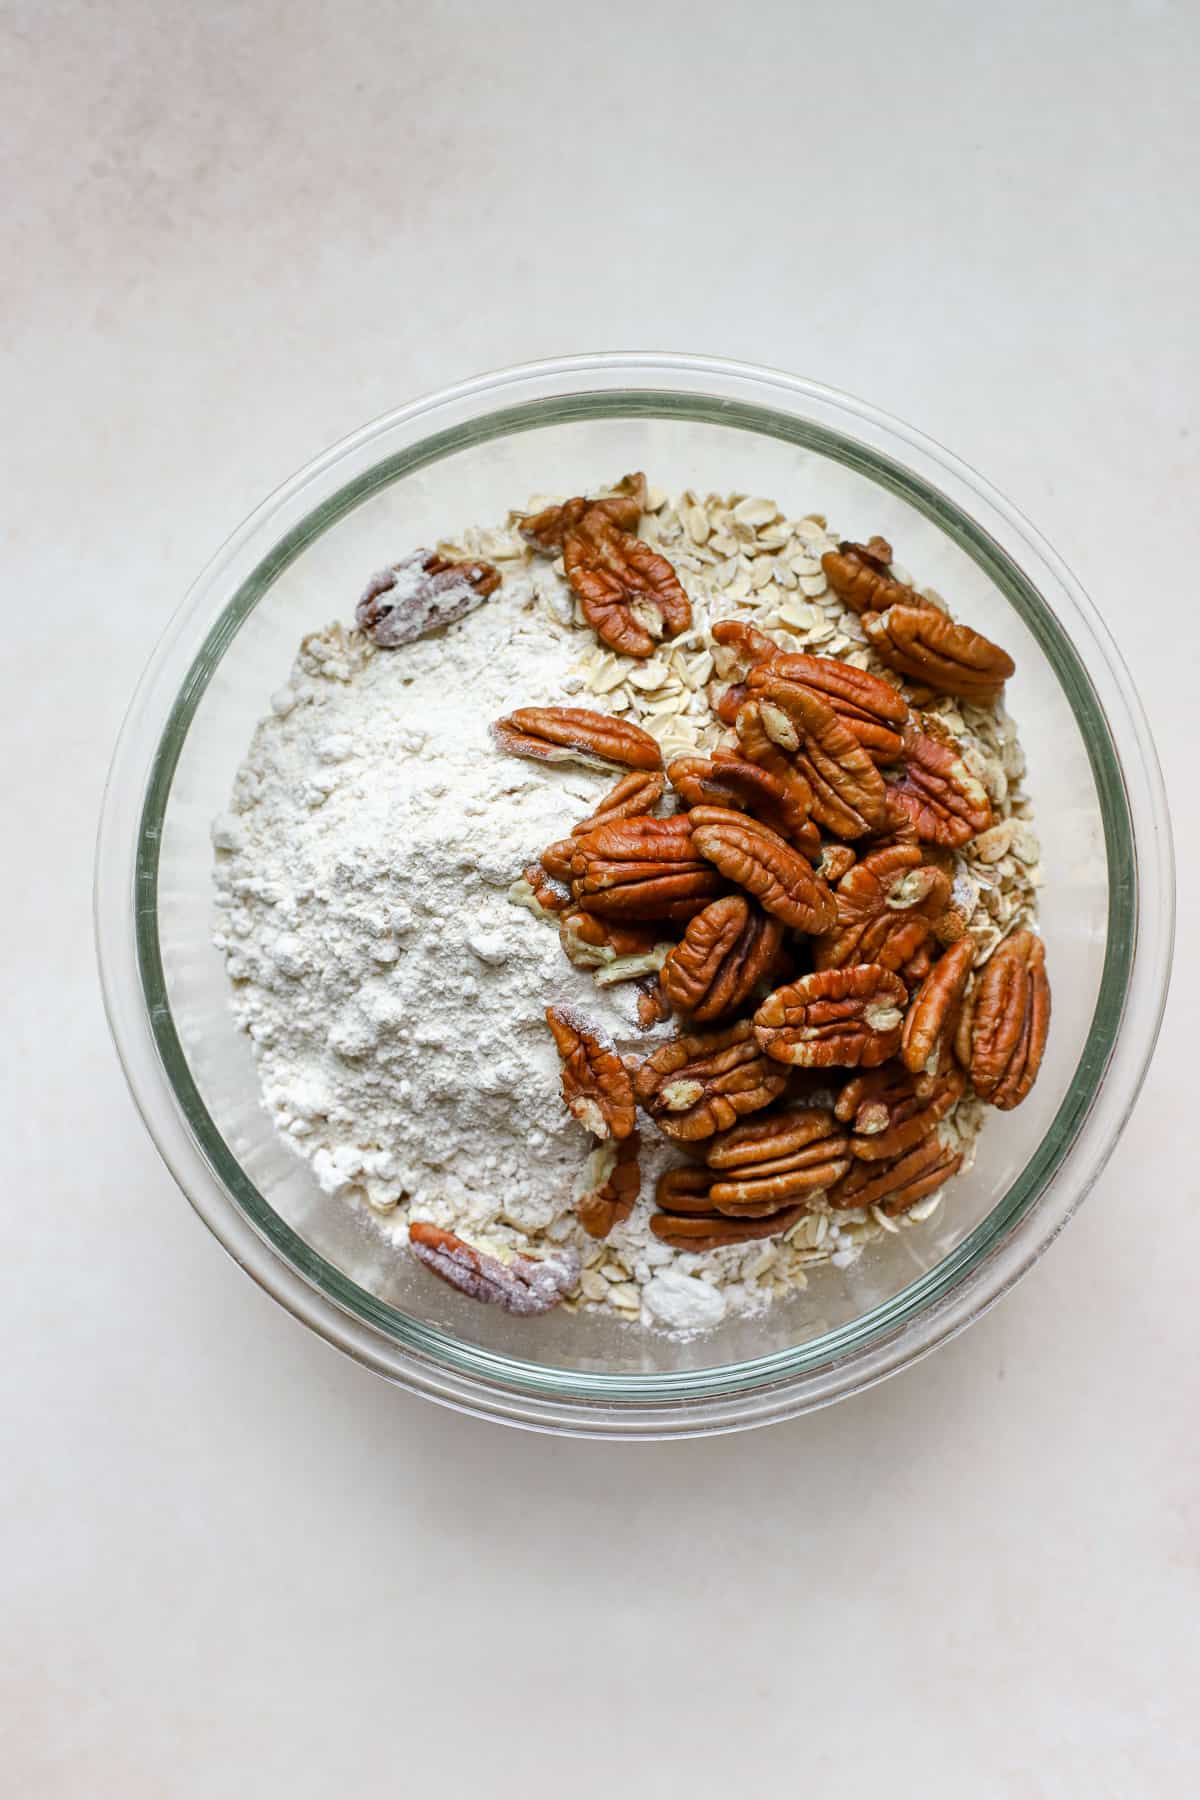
704, 1082
849, 1018
727, 950
523, 1286
642, 869
712, 1231
770, 1162
1005, 1022
612, 1182
932, 1018
895, 1186
849, 797
623, 508
419, 594
872, 710
595, 1082
886, 907
729, 780
860, 574
635, 794
889, 1110
945, 803
757, 859
630, 595
922, 643
573, 734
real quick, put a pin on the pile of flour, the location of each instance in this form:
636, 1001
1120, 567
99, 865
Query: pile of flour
393, 994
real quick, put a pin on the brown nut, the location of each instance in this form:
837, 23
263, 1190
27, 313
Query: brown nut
922, 643
642, 868
727, 950
573, 734
704, 1082
523, 1286
1006, 1021
746, 644
772, 1161
872, 710
710, 1231
634, 795
757, 859
848, 1018
860, 574
944, 802
886, 907
630, 595
623, 508
419, 594
932, 1018
834, 861
729, 780
613, 1180
592, 943
895, 1186
551, 893
848, 795
595, 1082
889, 1110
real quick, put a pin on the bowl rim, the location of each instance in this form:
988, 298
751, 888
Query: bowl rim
1001, 1246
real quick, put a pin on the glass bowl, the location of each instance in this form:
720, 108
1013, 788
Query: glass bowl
467, 455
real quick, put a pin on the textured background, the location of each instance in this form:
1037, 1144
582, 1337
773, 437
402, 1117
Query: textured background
236, 1564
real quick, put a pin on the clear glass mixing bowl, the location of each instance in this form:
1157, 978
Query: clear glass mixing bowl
467, 455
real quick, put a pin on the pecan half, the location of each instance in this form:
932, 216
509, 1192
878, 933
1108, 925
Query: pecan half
872, 710
623, 508
710, 1231
744, 643
419, 594
630, 595
612, 1180
1006, 1020
889, 1110
642, 869
523, 1286
727, 950
860, 574
595, 1082
945, 803
932, 1018
922, 643
849, 1018
573, 734
897, 1185
729, 780
886, 907
849, 797
770, 1162
757, 859
704, 1082
634, 794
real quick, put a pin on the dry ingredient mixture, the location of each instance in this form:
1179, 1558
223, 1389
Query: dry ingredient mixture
775, 980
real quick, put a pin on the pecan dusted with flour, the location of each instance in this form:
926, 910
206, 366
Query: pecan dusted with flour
848, 794
847, 1018
886, 907
642, 869
693, 1228
634, 795
592, 943
860, 574
873, 711
523, 1286
770, 1162
889, 1111
757, 859
573, 734
932, 1018
896, 1185
421, 593
726, 779
702, 1083
1005, 1021
727, 950
550, 892
925, 645
623, 508
612, 1180
630, 595
595, 1082
945, 803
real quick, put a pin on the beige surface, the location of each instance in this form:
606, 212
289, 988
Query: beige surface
235, 1564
